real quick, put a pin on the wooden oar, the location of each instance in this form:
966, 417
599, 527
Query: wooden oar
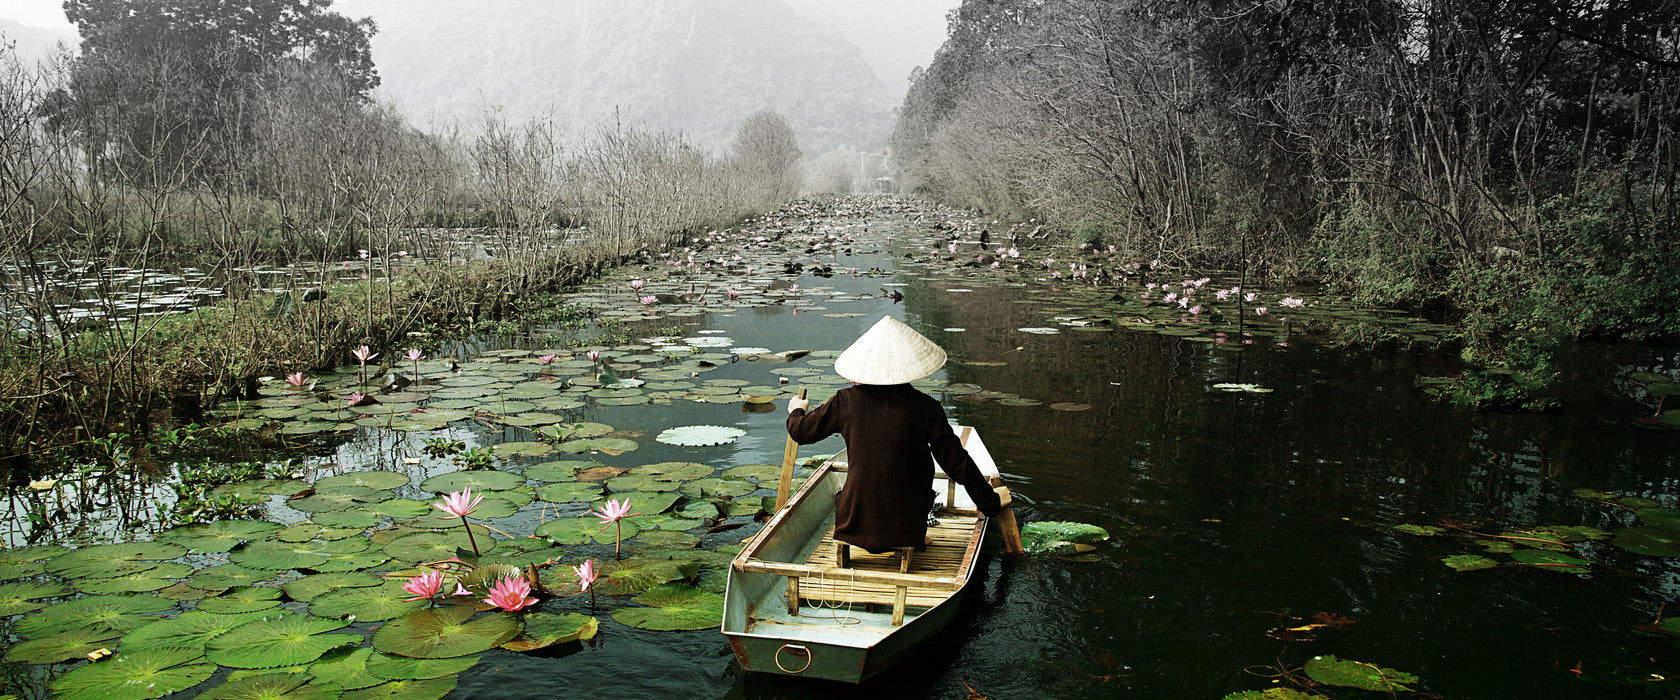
1006, 523
789, 453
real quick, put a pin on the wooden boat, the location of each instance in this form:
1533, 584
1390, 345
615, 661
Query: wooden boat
798, 605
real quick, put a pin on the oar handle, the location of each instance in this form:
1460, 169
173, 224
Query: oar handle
1006, 523
789, 454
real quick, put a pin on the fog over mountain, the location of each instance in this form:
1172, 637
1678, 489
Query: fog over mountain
700, 66
33, 43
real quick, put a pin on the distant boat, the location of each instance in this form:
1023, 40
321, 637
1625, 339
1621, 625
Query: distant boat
793, 608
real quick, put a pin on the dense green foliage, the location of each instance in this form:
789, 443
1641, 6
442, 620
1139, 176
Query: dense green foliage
1510, 163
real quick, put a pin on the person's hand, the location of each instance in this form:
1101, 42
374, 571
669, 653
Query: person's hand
797, 402
1004, 498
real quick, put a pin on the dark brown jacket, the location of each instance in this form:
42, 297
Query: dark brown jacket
890, 432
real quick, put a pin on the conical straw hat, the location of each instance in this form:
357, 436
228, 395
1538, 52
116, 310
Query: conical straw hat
889, 353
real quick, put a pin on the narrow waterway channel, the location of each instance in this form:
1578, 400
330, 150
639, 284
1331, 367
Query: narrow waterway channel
1251, 530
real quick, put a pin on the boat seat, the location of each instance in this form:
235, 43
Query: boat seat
827, 579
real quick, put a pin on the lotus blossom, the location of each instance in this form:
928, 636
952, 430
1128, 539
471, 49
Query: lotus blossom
363, 252
355, 397
586, 573
461, 504
1292, 302
613, 514
636, 285
649, 300
1251, 296
424, 586
461, 590
1260, 311
510, 594
545, 359
297, 379
414, 355
732, 293
593, 355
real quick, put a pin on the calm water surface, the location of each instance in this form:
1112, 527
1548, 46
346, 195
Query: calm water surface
1233, 513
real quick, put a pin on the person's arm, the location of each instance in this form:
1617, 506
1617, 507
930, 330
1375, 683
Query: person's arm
949, 452
806, 426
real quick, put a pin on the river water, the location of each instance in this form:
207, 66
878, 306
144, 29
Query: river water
1232, 514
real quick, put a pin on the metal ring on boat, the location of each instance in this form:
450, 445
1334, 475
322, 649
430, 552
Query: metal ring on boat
797, 651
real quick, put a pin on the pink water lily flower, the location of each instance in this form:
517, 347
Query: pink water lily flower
593, 355
545, 359
363, 354
414, 355
510, 594
1260, 311
355, 398
461, 590
636, 285
1292, 302
732, 293
649, 300
424, 586
296, 379
586, 573
459, 504
614, 511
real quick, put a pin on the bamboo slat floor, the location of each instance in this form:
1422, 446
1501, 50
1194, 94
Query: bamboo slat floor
945, 557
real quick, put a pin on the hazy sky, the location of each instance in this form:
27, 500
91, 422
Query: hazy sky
895, 35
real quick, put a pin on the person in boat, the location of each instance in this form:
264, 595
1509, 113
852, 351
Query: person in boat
893, 435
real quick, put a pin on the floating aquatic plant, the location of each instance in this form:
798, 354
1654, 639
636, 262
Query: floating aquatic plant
699, 435
446, 632
139, 675
462, 504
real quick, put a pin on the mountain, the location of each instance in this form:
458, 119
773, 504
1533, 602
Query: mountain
699, 66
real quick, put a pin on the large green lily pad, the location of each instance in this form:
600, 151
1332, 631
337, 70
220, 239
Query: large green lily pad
111, 612
139, 675
1330, 670
436, 546
605, 445
441, 633
242, 599
287, 641
585, 528
569, 491
379, 480
1649, 541
476, 479
61, 647
220, 536
108, 560
402, 668
346, 668
1059, 537
673, 607
18, 598
543, 630
366, 603
562, 470
189, 630
153, 579
307, 588
431, 689
273, 686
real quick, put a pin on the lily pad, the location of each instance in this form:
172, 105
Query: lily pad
714, 487
431, 689
568, 492
61, 647
1059, 537
441, 633
1649, 541
220, 536
366, 603
346, 668
154, 579
138, 675
673, 607
1422, 530
564, 470
287, 641
605, 445
309, 587
17, 598
1469, 562
108, 560
111, 612
543, 630
189, 630
1330, 670
242, 599
380, 480
698, 435
273, 686
477, 480
400, 668
227, 576
436, 546
585, 528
